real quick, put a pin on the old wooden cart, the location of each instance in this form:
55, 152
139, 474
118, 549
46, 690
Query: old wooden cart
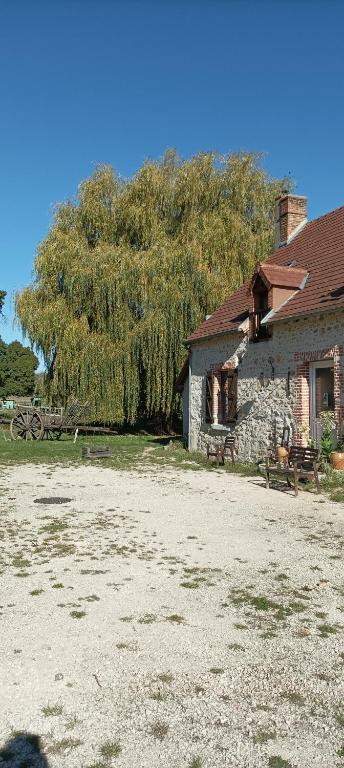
37, 423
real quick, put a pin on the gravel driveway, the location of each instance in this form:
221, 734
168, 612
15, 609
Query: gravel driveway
178, 619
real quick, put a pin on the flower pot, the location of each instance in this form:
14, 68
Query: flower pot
337, 460
282, 454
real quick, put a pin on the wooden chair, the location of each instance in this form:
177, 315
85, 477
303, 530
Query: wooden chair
220, 452
303, 463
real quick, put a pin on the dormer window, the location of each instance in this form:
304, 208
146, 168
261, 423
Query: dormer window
272, 285
260, 295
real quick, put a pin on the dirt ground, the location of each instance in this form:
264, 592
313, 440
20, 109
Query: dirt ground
180, 619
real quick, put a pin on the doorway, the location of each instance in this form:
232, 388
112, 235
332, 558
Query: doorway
321, 395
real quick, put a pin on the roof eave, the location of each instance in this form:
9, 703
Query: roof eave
188, 342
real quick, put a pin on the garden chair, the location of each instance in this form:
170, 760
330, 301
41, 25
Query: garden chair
221, 452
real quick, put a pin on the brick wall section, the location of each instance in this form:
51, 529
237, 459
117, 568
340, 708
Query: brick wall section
215, 398
301, 408
338, 385
292, 211
265, 400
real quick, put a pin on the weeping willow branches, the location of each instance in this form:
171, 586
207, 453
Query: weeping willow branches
129, 269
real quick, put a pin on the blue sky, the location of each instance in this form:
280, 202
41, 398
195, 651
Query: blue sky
86, 81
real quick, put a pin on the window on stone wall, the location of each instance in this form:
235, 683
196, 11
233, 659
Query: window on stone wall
221, 396
209, 398
228, 397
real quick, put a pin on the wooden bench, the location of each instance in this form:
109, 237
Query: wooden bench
220, 452
302, 463
96, 452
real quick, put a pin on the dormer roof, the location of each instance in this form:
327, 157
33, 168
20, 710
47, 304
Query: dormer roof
282, 277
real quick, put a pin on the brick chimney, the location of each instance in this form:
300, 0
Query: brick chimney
291, 216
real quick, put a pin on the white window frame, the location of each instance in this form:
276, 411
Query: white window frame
312, 391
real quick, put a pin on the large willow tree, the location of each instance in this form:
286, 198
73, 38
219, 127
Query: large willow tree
129, 269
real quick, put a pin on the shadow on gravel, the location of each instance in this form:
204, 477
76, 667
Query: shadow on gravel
275, 485
22, 751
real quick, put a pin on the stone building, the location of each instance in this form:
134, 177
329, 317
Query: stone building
272, 355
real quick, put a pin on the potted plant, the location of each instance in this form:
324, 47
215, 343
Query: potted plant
282, 450
337, 456
282, 453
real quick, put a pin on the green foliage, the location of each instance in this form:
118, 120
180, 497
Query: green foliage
17, 369
40, 384
275, 761
327, 446
327, 442
333, 483
129, 269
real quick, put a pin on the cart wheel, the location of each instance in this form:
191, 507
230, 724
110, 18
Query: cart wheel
27, 425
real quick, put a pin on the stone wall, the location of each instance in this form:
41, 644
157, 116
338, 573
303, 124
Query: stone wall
273, 387
185, 401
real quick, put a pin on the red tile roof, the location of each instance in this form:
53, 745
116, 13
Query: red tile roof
317, 250
283, 277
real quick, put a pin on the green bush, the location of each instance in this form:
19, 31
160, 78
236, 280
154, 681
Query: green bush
327, 443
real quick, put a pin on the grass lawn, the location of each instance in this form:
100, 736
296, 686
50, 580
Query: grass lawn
129, 451
333, 484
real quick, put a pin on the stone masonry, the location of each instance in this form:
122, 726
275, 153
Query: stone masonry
273, 381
